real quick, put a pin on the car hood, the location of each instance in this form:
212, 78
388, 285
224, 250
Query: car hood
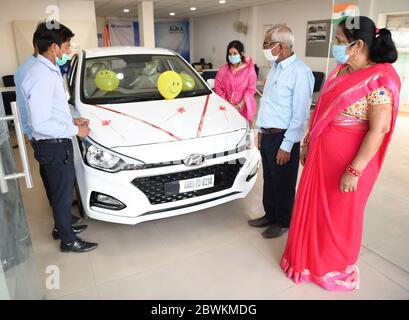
153, 122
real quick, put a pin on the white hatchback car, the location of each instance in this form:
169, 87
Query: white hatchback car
147, 157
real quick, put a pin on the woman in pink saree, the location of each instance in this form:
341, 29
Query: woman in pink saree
343, 153
236, 81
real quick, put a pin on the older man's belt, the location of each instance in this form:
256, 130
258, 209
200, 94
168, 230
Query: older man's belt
271, 130
47, 141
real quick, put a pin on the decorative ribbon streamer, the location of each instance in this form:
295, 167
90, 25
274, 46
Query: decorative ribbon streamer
140, 120
224, 109
199, 130
180, 110
107, 123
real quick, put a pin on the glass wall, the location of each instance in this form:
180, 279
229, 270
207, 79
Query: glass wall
18, 272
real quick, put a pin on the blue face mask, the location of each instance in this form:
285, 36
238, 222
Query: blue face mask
61, 61
340, 52
235, 59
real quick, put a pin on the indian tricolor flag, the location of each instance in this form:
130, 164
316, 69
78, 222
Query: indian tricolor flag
344, 10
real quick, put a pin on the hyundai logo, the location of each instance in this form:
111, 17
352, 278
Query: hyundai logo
194, 160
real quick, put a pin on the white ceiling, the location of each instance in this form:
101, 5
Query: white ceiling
162, 8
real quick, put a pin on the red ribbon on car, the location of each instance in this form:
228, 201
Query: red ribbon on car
140, 120
199, 130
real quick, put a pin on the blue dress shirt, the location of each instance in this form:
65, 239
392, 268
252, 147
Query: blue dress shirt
48, 111
19, 76
286, 100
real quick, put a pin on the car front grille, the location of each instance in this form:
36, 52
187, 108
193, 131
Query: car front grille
154, 186
208, 157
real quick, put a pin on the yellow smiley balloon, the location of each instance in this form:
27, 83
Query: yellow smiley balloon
107, 80
170, 84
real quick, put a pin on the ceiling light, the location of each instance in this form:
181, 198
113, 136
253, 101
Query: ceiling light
222, 1
126, 10
193, 9
172, 14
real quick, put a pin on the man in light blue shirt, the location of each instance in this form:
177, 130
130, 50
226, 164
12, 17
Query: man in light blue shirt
19, 76
53, 128
18, 79
49, 116
283, 115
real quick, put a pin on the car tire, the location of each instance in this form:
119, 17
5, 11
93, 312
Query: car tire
79, 201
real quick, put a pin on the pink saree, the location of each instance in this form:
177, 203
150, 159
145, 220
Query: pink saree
235, 85
326, 228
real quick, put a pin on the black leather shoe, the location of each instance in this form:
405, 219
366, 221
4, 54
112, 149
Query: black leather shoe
260, 223
75, 219
78, 246
274, 231
76, 229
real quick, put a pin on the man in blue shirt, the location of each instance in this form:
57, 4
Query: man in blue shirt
18, 79
19, 76
284, 111
53, 128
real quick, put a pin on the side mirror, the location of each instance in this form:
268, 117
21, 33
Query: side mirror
211, 82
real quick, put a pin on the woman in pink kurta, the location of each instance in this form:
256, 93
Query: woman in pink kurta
236, 81
349, 134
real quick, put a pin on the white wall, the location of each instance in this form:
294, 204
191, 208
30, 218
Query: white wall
212, 33
380, 8
296, 13
384, 7
78, 15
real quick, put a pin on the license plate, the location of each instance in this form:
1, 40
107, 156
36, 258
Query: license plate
196, 184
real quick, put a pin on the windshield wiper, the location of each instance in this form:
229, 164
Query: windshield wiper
194, 93
137, 98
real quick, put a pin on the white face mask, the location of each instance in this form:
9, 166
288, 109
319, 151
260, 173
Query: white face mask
269, 56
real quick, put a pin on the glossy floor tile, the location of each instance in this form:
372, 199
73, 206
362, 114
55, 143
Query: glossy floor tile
214, 254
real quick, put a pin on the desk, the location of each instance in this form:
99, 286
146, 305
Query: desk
4, 89
2, 107
209, 74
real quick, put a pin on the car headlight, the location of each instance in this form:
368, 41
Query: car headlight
100, 158
247, 142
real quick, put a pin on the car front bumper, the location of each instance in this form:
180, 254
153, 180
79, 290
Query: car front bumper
140, 190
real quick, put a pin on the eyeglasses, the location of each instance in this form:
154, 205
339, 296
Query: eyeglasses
268, 45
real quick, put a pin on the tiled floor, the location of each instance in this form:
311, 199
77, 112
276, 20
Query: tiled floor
214, 254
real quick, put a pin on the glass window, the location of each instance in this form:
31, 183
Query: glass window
130, 78
72, 73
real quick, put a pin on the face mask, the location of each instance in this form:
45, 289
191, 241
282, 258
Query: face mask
235, 59
61, 61
340, 52
269, 56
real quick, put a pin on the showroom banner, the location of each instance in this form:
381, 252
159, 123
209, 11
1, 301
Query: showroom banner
173, 36
121, 32
169, 35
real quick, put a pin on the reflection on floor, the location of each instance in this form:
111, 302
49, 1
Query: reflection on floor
214, 254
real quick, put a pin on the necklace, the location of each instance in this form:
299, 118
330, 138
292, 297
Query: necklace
367, 65
350, 70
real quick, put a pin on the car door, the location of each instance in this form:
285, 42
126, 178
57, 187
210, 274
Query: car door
71, 79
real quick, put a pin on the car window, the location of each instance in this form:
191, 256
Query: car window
128, 78
72, 75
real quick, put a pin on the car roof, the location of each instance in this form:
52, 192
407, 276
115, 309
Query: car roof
115, 51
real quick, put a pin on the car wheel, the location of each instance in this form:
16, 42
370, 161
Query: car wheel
78, 200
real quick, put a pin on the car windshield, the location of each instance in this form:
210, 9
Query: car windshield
131, 78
